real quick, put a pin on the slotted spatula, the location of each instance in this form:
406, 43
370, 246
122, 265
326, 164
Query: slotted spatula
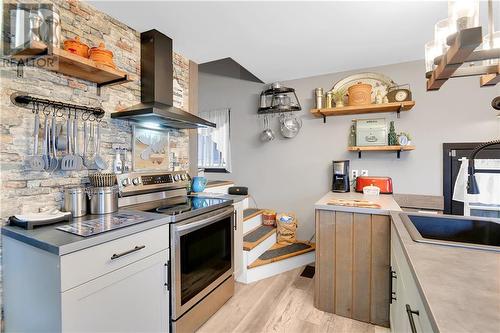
68, 162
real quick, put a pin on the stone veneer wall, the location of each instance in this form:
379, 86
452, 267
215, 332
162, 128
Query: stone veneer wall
24, 191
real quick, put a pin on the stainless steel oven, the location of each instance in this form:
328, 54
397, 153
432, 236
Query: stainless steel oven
201, 242
201, 258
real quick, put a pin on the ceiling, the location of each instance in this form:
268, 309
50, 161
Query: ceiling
286, 40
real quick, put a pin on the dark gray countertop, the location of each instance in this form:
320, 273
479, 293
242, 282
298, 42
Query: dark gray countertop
459, 286
59, 242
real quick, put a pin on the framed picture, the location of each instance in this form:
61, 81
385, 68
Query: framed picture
150, 149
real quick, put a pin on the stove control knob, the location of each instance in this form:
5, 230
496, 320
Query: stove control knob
184, 176
126, 182
136, 181
176, 177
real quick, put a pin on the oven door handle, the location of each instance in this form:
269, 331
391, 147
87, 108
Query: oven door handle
205, 221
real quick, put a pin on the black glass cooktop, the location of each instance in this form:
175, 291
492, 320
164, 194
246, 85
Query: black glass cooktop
182, 207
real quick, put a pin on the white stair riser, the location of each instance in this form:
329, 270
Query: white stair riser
254, 253
275, 268
252, 223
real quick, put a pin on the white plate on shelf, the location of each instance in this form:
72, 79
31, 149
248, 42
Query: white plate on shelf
379, 82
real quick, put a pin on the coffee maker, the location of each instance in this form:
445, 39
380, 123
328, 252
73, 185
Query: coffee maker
340, 182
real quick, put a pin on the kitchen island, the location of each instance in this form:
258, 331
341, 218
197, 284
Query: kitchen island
369, 268
353, 257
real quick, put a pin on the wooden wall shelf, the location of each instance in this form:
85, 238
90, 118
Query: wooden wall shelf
370, 108
64, 62
397, 149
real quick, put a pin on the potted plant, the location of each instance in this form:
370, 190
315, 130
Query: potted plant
338, 97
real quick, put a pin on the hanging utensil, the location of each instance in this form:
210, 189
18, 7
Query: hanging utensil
290, 126
267, 134
89, 147
85, 144
36, 162
99, 160
76, 144
54, 162
68, 161
45, 152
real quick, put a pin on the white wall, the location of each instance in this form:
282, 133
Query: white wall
291, 174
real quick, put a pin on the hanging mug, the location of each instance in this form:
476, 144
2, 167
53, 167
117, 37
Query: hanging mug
199, 184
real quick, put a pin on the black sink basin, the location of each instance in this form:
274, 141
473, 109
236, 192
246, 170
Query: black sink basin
471, 232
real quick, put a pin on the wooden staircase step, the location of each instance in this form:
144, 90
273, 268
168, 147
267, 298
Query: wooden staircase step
280, 252
257, 236
250, 213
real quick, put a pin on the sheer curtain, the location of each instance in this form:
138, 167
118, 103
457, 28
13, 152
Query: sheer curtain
214, 149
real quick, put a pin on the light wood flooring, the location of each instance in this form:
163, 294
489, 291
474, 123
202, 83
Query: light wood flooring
282, 303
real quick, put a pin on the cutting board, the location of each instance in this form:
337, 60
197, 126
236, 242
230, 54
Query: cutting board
353, 203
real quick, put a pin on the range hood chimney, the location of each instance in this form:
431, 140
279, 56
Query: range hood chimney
156, 107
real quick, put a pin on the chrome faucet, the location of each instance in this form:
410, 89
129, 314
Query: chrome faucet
472, 187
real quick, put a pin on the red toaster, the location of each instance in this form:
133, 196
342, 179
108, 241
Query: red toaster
383, 183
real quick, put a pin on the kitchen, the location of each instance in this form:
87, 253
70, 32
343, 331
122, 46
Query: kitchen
459, 112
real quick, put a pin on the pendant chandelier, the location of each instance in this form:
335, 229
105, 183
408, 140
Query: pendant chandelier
459, 48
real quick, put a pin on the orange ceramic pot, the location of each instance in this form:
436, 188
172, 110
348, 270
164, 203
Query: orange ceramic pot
360, 94
76, 47
102, 56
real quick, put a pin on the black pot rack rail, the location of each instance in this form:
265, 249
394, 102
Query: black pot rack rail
36, 103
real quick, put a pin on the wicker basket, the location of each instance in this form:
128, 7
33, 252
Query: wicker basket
286, 231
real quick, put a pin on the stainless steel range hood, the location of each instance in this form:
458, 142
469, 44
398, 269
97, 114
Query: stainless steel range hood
156, 107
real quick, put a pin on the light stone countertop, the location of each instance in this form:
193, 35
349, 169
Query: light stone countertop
386, 201
459, 286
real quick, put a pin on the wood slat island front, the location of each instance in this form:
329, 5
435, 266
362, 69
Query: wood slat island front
353, 259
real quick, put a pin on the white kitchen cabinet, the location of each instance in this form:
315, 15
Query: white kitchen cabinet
239, 207
131, 299
406, 295
116, 286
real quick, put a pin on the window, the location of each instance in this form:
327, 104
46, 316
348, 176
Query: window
214, 150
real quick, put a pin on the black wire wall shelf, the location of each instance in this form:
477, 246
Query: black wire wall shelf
274, 100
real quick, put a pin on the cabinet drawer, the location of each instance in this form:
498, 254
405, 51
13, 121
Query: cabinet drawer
133, 298
82, 266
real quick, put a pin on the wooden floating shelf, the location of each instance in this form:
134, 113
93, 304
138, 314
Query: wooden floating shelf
64, 62
370, 108
397, 149
462, 50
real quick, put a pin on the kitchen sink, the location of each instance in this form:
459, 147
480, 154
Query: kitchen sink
460, 231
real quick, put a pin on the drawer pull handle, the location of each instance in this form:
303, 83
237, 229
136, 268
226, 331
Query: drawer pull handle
410, 313
392, 294
137, 248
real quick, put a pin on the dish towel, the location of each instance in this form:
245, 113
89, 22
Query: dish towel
488, 183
